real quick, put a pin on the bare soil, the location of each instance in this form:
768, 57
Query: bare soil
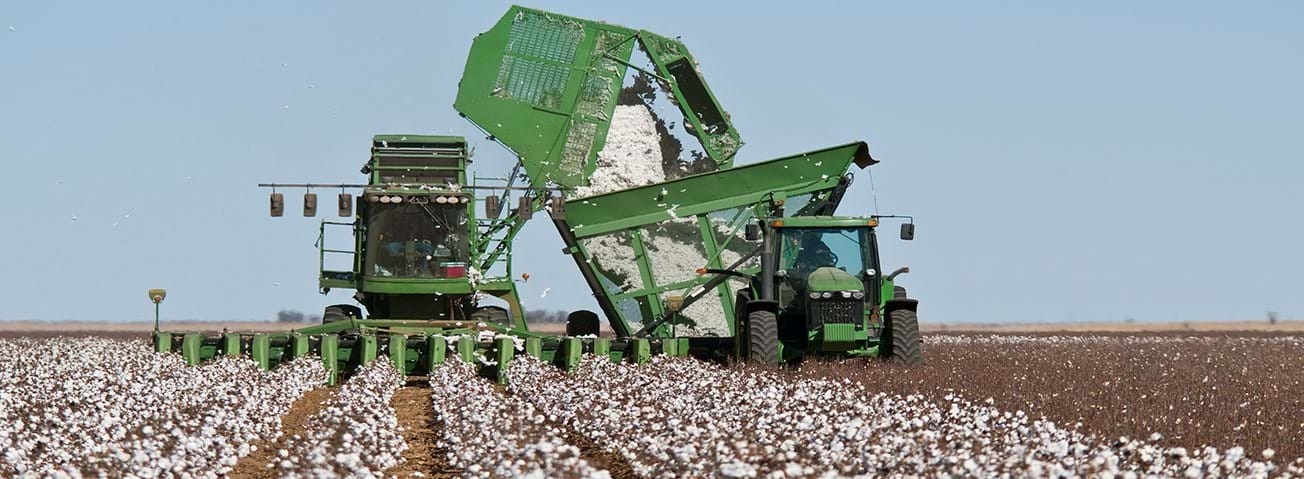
1194, 390
1122, 327
601, 458
295, 421
416, 415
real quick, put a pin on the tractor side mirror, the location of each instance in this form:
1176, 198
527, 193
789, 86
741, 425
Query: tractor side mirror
309, 205
278, 204
907, 231
752, 232
525, 209
346, 205
491, 207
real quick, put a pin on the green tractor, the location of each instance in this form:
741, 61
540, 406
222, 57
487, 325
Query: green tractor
820, 290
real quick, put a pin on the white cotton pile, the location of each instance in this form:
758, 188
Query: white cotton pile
631, 156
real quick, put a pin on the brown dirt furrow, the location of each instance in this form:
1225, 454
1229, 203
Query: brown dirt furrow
295, 421
600, 458
416, 415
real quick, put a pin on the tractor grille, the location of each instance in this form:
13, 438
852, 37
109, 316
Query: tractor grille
836, 311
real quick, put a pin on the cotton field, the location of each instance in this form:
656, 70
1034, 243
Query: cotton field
355, 436
100, 406
982, 406
493, 434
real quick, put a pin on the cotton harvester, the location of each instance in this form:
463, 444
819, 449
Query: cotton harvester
432, 243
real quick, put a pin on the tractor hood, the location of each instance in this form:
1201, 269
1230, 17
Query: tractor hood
832, 279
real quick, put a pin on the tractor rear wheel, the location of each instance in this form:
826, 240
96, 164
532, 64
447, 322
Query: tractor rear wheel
492, 314
583, 323
902, 335
763, 337
340, 312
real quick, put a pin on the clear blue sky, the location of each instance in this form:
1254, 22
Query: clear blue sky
1085, 162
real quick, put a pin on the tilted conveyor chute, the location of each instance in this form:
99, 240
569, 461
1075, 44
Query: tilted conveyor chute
639, 248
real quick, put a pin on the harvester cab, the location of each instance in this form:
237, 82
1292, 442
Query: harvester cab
418, 241
417, 244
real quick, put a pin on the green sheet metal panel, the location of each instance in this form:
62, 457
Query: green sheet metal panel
718, 190
504, 350
436, 348
368, 349
534, 347
601, 347
330, 346
546, 85
298, 344
261, 350
639, 351
191, 344
231, 344
568, 355
162, 342
466, 349
398, 352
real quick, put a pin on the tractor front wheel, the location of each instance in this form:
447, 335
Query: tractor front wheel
902, 335
763, 337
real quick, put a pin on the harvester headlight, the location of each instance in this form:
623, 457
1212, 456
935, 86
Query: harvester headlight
858, 295
384, 199
396, 199
465, 200
846, 294
373, 198
827, 295
441, 199
815, 295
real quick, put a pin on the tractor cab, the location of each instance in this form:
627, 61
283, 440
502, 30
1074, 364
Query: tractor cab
830, 261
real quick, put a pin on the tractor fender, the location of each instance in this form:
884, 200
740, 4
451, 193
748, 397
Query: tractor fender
762, 305
900, 303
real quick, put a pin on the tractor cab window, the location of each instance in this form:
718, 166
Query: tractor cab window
806, 249
410, 240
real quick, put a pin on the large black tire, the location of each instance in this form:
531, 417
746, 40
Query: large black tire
902, 336
898, 292
340, 312
762, 337
583, 323
492, 314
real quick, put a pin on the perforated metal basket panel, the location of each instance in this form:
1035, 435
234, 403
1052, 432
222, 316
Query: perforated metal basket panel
545, 85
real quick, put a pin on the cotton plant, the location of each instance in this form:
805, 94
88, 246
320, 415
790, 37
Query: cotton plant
356, 436
686, 418
89, 406
491, 434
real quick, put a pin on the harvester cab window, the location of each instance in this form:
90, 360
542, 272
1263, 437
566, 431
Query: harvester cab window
417, 241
